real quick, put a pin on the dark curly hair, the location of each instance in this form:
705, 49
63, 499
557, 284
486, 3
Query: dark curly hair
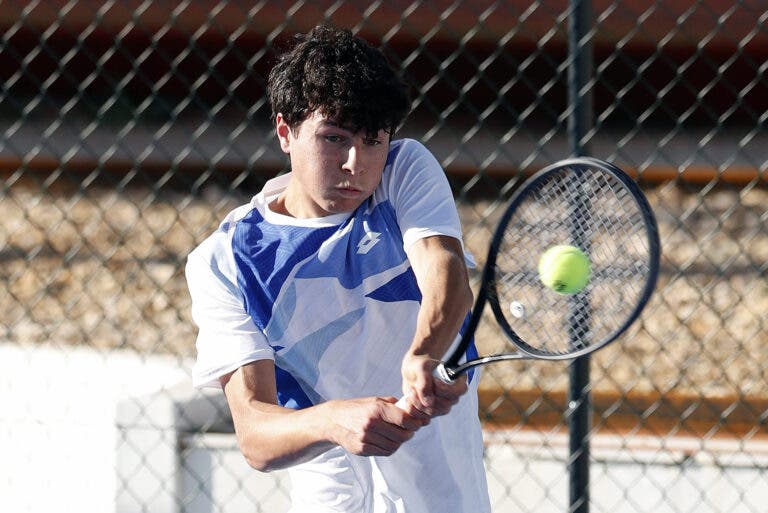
343, 77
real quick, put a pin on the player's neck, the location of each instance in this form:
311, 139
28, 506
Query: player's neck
278, 206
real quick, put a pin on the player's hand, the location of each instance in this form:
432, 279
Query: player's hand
425, 393
371, 426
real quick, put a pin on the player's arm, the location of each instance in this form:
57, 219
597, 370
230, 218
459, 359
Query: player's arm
441, 272
272, 437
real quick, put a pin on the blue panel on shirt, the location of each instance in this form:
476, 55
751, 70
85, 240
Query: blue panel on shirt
371, 245
289, 392
368, 244
265, 255
471, 352
401, 288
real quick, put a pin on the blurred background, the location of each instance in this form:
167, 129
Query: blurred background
129, 129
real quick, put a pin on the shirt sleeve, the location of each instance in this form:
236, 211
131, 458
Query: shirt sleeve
422, 197
227, 338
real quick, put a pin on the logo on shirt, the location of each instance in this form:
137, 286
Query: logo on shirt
368, 242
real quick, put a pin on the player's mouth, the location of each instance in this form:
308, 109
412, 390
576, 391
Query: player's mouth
348, 191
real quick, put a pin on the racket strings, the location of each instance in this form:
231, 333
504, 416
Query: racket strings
595, 212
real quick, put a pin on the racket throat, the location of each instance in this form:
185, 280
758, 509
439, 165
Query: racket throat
453, 372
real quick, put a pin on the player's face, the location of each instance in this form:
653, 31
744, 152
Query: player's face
333, 169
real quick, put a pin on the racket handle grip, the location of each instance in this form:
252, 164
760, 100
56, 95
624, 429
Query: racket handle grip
402, 402
440, 373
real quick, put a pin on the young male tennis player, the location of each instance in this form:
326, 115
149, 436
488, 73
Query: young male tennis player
335, 291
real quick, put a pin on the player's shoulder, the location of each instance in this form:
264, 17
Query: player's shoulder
409, 157
409, 162
218, 243
406, 148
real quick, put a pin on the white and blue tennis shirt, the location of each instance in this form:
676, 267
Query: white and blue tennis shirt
333, 301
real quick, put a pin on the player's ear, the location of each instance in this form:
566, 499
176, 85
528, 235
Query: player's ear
284, 133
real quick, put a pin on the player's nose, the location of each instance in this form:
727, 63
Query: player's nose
353, 161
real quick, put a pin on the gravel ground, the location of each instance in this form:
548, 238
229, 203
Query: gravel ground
106, 270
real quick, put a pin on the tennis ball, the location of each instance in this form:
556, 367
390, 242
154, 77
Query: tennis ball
564, 269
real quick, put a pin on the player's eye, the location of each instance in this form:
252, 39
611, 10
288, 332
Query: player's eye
333, 138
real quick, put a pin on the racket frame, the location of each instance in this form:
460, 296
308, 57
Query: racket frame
450, 368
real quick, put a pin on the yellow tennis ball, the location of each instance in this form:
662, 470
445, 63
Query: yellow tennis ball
564, 269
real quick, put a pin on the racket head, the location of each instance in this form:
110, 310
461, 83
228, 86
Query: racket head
595, 206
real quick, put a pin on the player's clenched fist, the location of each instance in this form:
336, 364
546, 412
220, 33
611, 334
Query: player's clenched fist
426, 395
370, 426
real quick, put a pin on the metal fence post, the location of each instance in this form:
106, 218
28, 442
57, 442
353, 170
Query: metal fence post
579, 123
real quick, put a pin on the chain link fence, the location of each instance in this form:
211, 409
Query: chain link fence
128, 129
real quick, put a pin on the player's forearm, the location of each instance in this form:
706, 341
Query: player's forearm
446, 300
272, 437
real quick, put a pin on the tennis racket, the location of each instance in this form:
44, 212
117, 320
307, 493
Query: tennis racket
582, 202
